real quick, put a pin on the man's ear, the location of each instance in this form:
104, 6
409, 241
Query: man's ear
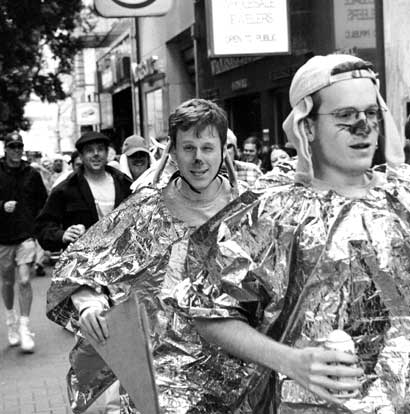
309, 126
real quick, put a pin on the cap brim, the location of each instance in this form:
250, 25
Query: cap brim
132, 151
80, 145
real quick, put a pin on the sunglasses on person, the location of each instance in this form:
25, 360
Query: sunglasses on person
15, 146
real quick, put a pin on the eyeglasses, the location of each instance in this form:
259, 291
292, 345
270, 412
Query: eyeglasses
15, 146
351, 115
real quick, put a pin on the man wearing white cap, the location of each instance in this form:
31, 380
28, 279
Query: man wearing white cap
135, 158
273, 280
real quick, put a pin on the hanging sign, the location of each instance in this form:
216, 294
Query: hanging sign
88, 113
132, 8
248, 27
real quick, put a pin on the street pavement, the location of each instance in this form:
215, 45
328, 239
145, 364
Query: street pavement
35, 383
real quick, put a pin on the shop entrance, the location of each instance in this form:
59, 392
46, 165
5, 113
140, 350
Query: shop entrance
122, 112
278, 112
245, 116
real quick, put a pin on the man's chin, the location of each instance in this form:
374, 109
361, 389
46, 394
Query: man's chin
95, 168
197, 184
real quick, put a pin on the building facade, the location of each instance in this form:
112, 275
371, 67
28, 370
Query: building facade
147, 66
254, 89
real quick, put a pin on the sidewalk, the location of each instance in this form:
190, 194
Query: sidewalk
35, 383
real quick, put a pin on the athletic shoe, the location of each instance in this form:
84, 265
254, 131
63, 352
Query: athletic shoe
13, 333
26, 339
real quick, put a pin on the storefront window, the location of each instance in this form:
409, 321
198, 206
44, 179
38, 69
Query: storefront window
107, 120
154, 113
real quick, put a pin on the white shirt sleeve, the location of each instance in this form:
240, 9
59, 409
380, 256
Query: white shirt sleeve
86, 297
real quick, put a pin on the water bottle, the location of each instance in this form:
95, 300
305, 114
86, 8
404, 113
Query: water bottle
339, 340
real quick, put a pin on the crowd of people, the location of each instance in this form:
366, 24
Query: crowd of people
246, 262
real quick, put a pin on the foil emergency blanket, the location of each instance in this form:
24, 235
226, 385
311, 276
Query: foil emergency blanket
339, 263
299, 263
282, 172
140, 247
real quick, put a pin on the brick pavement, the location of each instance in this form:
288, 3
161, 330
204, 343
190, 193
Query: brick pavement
35, 383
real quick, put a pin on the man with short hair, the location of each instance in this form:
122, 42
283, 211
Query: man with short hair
246, 171
84, 197
58, 163
75, 161
22, 195
141, 247
251, 150
280, 273
59, 169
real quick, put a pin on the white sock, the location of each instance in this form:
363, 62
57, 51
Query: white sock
24, 320
11, 315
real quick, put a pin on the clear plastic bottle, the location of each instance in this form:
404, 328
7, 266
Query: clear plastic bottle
339, 340
81, 228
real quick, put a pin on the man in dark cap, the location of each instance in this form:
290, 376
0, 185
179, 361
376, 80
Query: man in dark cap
84, 197
22, 195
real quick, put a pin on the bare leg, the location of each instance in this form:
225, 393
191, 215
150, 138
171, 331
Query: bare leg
25, 289
7, 288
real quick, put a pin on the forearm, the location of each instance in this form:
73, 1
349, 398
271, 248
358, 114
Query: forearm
316, 369
241, 340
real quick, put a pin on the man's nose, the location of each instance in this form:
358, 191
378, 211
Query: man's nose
361, 127
361, 115
198, 155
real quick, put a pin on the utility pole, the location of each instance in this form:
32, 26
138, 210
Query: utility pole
139, 83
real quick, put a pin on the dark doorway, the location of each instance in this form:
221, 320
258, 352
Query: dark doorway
280, 111
245, 116
122, 111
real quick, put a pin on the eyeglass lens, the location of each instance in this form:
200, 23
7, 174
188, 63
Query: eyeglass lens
351, 114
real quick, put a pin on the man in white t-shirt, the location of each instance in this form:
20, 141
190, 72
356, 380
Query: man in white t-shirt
84, 197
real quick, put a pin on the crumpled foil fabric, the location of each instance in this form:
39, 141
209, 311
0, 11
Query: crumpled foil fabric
299, 263
140, 248
282, 173
346, 260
